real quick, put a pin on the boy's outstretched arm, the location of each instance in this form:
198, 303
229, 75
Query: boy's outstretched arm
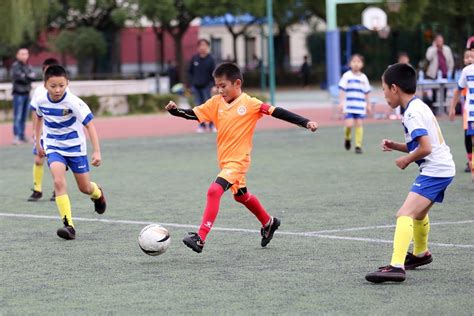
288, 116
96, 158
454, 102
188, 114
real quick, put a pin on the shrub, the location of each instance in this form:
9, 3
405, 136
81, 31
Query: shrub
93, 103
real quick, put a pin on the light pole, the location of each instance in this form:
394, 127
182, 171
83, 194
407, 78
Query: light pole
271, 55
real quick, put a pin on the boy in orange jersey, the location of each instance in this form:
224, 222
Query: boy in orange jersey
235, 115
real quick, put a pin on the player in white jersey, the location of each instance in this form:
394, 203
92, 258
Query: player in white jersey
38, 163
424, 145
466, 81
62, 117
354, 88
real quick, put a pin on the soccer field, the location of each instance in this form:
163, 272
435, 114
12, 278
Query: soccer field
337, 211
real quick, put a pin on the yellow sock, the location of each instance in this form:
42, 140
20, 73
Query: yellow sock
95, 191
38, 171
359, 135
421, 229
347, 133
64, 207
401, 240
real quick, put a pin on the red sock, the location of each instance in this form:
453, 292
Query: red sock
253, 204
469, 157
212, 208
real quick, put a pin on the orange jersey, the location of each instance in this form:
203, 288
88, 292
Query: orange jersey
235, 123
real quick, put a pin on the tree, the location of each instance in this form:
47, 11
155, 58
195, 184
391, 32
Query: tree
106, 16
20, 24
85, 44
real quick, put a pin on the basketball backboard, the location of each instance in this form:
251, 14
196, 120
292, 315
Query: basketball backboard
374, 18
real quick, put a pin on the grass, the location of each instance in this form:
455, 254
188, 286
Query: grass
308, 180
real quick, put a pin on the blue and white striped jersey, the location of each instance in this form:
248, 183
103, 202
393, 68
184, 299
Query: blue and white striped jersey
63, 130
467, 81
418, 120
356, 86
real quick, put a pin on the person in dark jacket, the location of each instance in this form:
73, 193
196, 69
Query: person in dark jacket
200, 77
22, 76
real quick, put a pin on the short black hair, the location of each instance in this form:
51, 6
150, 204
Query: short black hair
49, 62
55, 71
401, 75
229, 70
203, 40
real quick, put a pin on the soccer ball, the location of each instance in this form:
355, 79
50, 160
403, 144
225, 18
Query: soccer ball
154, 239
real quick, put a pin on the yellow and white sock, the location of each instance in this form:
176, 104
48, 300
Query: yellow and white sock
359, 135
421, 229
96, 193
64, 207
38, 172
401, 240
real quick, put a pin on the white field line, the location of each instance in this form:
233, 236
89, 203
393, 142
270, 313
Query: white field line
319, 234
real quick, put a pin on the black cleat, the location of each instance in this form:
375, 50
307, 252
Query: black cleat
468, 167
67, 232
347, 144
193, 241
412, 261
35, 196
358, 150
268, 231
386, 274
53, 197
100, 204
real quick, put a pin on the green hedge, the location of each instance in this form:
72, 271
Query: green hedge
149, 103
93, 103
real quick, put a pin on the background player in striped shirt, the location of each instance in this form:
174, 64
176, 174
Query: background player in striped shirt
235, 114
424, 145
64, 116
466, 87
38, 163
354, 88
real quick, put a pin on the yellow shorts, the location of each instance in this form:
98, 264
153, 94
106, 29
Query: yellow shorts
234, 174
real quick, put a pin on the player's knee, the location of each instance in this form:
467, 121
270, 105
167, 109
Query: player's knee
215, 190
85, 188
242, 196
59, 184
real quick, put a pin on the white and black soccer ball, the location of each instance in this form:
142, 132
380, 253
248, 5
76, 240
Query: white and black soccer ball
154, 239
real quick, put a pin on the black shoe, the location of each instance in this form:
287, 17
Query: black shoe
53, 197
35, 196
100, 204
358, 150
386, 274
67, 232
468, 167
347, 144
412, 261
193, 241
268, 231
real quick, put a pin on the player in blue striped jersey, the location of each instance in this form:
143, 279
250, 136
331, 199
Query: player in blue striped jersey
466, 81
424, 145
61, 116
354, 88
38, 169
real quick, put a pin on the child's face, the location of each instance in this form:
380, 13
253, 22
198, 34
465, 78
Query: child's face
468, 57
56, 87
227, 89
356, 64
391, 95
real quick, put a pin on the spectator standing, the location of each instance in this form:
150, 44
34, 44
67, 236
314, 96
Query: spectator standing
440, 58
22, 76
305, 71
201, 80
